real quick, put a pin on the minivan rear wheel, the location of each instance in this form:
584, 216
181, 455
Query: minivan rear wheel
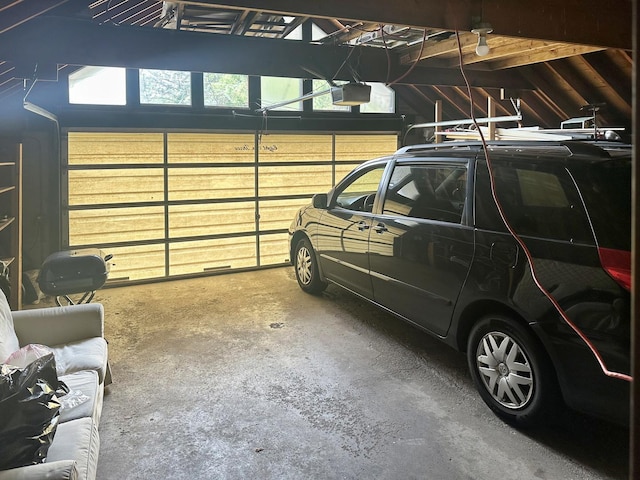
306, 267
511, 372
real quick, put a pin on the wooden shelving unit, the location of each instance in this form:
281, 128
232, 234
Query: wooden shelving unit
11, 217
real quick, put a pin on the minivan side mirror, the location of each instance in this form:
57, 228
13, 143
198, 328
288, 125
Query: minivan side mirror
319, 200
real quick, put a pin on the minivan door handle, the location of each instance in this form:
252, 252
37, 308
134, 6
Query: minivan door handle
380, 228
362, 225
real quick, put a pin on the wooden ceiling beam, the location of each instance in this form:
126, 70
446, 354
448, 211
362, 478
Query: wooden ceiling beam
22, 12
479, 103
541, 54
501, 105
437, 48
422, 94
453, 77
578, 84
461, 105
349, 32
411, 101
536, 112
500, 47
55, 40
293, 25
147, 16
563, 104
615, 89
604, 23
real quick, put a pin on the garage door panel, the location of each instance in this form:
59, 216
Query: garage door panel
212, 255
87, 227
97, 148
305, 180
295, 148
211, 183
210, 148
211, 219
364, 147
277, 214
137, 262
274, 249
87, 187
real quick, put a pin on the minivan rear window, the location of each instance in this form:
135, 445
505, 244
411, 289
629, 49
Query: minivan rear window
537, 202
606, 189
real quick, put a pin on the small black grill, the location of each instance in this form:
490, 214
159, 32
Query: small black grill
73, 272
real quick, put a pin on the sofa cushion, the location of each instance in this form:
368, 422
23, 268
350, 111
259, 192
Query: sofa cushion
8, 339
60, 470
89, 354
84, 398
77, 440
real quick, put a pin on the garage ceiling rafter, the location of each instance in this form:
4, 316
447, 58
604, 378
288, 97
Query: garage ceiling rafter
544, 19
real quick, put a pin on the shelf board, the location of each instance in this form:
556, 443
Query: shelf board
7, 189
5, 223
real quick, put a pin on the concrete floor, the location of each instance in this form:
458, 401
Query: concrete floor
244, 376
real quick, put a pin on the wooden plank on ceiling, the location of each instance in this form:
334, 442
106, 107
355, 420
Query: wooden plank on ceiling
538, 52
22, 12
552, 90
594, 22
615, 99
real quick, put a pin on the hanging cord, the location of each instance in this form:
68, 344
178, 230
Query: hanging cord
413, 65
386, 50
545, 292
351, 50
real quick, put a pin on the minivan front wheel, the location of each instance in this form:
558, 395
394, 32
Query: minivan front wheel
306, 267
510, 370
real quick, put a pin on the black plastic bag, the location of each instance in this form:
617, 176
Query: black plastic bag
29, 412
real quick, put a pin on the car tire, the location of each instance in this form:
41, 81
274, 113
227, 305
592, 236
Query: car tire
306, 268
511, 371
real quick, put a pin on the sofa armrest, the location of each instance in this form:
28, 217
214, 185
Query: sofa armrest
60, 470
59, 325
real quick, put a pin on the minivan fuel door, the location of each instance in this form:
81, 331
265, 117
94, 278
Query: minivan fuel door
504, 254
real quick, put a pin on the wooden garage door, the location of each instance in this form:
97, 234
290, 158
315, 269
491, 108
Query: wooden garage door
172, 204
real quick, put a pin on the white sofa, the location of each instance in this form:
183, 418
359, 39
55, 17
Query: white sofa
75, 333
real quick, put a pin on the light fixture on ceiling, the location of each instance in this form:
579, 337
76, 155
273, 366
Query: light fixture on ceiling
482, 48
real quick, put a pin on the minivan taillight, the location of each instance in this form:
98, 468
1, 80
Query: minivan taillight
617, 263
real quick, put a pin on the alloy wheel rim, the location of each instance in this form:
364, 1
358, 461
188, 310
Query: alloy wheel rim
303, 265
505, 370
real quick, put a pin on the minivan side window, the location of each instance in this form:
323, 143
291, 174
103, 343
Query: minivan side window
360, 193
432, 192
537, 203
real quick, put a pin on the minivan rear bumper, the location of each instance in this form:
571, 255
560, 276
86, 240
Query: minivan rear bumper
583, 384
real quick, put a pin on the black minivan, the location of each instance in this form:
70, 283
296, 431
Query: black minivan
517, 254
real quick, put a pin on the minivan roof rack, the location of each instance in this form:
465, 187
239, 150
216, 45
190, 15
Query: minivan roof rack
592, 147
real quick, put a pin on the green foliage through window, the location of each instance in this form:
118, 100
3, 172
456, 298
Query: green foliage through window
225, 90
325, 102
277, 90
165, 87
